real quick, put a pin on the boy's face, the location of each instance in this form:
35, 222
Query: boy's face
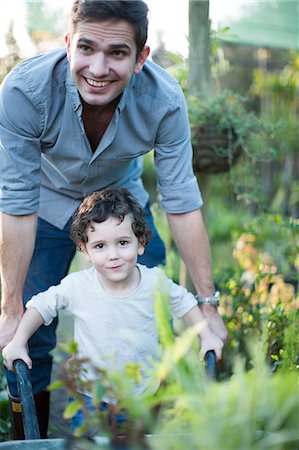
113, 249
103, 57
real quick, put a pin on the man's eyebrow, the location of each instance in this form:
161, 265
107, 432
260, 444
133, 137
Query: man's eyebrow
112, 46
84, 40
120, 45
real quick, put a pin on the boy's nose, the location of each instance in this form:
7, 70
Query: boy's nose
112, 253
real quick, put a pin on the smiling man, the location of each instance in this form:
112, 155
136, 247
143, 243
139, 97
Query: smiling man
76, 120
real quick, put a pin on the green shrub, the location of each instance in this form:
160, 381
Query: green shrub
261, 291
4, 408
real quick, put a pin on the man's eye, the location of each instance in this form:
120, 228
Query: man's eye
84, 48
119, 53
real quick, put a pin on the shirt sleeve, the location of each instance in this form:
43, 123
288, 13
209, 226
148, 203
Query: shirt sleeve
49, 302
177, 183
181, 301
20, 156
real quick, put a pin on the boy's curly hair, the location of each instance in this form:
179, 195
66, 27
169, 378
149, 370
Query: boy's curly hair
109, 202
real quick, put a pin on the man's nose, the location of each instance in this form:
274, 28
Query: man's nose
99, 65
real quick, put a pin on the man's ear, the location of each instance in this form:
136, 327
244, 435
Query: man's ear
67, 41
142, 57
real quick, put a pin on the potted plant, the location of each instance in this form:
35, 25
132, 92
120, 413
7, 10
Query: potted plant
222, 130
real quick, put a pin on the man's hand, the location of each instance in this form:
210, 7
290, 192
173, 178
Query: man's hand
215, 321
8, 327
17, 348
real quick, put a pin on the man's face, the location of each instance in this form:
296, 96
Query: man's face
103, 57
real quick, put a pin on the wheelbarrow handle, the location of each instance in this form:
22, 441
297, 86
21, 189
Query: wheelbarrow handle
30, 423
210, 364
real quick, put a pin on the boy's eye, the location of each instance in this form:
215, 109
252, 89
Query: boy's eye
99, 246
123, 243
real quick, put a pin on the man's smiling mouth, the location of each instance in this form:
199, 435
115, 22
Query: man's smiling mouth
97, 83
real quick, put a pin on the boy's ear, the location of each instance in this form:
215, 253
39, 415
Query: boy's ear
85, 254
141, 249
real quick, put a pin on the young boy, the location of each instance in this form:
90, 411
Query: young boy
113, 300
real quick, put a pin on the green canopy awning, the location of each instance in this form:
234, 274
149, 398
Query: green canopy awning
271, 23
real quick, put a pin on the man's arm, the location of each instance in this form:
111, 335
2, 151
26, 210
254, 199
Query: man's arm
192, 242
17, 238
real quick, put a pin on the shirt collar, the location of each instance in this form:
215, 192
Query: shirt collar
71, 89
125, 96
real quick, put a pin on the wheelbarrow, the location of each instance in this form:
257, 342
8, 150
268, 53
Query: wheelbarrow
30, 423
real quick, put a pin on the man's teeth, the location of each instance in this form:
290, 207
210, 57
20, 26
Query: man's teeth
97, 83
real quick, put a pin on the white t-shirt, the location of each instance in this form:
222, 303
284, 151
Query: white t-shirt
112, 331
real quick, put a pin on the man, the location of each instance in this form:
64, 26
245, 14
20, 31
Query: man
76, 121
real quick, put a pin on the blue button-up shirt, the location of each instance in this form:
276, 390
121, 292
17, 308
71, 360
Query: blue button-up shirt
46, 161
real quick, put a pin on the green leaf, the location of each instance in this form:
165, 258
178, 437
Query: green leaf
72, 347
55, 385
71, 409
98, 391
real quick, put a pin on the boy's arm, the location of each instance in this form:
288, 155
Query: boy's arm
17, 347
209, 340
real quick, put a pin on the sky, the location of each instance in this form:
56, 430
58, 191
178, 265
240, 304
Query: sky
168, 17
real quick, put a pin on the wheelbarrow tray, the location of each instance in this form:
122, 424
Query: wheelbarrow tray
100, 443
35, 444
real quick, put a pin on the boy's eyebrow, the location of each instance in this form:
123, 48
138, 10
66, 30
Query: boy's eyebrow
118, 238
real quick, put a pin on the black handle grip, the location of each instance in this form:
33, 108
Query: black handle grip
210, 364
30, 423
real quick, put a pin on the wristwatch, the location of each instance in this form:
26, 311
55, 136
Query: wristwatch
212, 300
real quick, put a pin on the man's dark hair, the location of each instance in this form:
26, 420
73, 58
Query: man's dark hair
133, 11
100, 206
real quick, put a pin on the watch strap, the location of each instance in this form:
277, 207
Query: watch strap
210, 300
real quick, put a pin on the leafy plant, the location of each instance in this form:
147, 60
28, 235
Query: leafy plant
257, 295
222, 132
4, 408
253, 410
277, 93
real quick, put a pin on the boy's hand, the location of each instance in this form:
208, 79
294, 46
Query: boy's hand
211, 342
13, 351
